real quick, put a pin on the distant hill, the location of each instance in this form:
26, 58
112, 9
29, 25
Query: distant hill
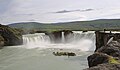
77, 25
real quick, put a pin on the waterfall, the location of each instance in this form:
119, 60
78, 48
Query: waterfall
77, 40
84, 40
35, 40
63, 37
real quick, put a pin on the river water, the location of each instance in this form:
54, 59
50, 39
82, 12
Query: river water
36, 53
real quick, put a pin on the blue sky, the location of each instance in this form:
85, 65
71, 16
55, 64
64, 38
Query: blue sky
51, 11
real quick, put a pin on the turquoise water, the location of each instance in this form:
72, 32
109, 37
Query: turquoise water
15, 58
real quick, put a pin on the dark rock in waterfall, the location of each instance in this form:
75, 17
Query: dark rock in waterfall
105, 67
55, 36
84, 31
67, 34
11, 36
97, 58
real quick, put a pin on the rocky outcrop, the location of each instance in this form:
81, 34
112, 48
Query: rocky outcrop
10, 36
112, 49
97, 58
107, 54
105, 67
102, 38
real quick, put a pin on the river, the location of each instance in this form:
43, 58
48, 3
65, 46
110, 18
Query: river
36, 53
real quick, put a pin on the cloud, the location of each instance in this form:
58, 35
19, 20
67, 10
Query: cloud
4, 5
57, 10
23, 14
68, 11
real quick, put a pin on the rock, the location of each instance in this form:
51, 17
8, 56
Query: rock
1, 41
105, 67
102, 38
112, 49
67, 32
107, 53
11, 36
64, 54
97, 58
67, 35
55, 36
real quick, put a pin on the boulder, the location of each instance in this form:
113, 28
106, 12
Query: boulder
97, 58
101, 58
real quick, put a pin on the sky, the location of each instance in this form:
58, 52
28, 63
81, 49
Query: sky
54, 11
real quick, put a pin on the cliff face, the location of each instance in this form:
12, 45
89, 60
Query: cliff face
102, 38
9, 36
107, 54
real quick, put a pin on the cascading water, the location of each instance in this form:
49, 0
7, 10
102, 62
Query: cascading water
36, 40
83, 40
78, 40
63, 37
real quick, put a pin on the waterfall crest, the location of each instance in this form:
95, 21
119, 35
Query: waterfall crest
36, 40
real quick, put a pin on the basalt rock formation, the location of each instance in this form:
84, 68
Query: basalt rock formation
9, 36
102, 38
107, 53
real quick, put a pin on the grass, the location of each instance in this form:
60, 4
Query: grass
113, 60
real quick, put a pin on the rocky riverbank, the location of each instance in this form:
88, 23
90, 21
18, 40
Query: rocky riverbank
9, 36
106, 57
